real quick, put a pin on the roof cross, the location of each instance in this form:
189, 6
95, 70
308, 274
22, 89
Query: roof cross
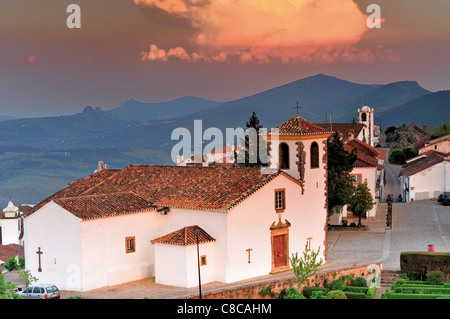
297, 107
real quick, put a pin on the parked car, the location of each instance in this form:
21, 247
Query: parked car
441, 197
446, 200
41, 291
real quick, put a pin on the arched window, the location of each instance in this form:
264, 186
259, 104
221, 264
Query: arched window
364, 117
283, 156
314, 155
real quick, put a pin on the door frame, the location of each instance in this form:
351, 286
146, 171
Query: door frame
277, 230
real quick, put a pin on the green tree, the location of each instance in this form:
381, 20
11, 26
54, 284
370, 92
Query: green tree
11, 264
27, 277
340, 183
361, 201
252, 151
306, 266
7, 289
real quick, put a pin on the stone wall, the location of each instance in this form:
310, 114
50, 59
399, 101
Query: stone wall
251, 291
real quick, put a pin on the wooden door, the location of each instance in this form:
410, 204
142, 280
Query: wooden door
279, 255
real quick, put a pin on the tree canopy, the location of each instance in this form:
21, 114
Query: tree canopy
340, 183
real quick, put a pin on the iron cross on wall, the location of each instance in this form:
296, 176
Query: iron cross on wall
39, 252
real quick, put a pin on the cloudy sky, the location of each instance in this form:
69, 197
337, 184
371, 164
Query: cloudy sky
157, 50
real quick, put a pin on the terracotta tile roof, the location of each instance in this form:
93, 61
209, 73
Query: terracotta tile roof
299, 126
7, 251
367, 156
422, 162
98, 206
184, 237
343, 128
363, 159
217, 188
78, 187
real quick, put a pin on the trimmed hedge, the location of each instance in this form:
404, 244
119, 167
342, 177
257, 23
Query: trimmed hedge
417, 264
308, 291
422, 290
417, 296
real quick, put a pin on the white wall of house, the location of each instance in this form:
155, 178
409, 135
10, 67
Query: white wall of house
249, 227
178, 265
58, 233
105, 260
430, 182
10, 231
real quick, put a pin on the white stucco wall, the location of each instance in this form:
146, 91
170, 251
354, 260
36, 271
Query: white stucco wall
58, 233
429, 182
249, 227
105, 260
178, 265
10, 231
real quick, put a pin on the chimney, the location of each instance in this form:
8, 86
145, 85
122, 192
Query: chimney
425, 127
351, 134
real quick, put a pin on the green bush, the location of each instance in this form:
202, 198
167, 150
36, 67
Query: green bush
309, 291
11, 264
337, 284
293, 293
360, 282
417, 264
435, 277
319, 294
353, 295
336, 294
361, 290
400, 282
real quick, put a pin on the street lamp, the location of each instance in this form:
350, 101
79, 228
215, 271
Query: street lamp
197, 233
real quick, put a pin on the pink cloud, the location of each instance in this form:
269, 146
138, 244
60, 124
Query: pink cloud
266, 31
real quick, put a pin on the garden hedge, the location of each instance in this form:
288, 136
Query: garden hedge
417, 264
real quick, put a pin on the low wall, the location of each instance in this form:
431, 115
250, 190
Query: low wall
251, 291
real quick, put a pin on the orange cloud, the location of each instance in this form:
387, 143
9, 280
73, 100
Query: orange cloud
263, 31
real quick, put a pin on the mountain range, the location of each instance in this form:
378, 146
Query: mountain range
41, 155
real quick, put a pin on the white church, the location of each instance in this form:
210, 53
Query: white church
117, 226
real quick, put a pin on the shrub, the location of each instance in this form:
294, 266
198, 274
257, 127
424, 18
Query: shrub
360, 282
11, 264
397, 157
309, 291
318, 295
336, 294
417, 264
266, 290
435, 277
353, 295
293, 293
337, 284
400, 281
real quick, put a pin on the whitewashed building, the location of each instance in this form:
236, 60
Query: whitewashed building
116, 226
425, 176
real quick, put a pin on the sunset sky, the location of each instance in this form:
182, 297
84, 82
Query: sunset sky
158, 50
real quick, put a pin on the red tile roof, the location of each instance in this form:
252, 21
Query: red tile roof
184, 237
98, 206
7, 251
299, 126
343, 128
216, 188
422, 162
367, 156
